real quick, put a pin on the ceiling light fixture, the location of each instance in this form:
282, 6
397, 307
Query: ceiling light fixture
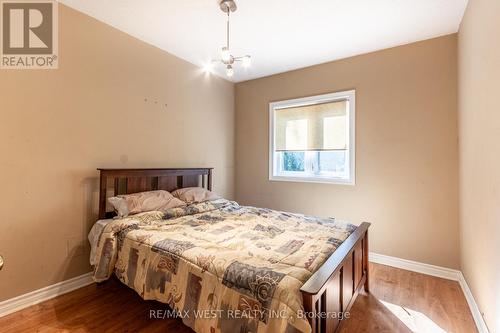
226, 58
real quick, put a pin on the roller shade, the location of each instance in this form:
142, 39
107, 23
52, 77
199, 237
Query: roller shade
312, 127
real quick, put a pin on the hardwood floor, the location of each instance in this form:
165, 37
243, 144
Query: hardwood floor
426, 303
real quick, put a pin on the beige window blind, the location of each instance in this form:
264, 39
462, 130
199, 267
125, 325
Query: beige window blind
317, 127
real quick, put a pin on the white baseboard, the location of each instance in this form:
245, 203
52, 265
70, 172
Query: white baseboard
414, 266
476, 313
442, 272
23, 301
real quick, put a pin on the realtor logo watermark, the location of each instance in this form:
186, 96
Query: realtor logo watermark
29, 34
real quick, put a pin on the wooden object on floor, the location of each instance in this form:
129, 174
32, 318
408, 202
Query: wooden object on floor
127, 181
332, 288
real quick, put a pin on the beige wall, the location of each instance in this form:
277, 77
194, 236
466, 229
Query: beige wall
406, 148
58, 126
479, 119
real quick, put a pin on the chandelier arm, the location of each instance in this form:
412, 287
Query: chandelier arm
227, 44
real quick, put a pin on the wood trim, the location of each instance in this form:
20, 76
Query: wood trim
210, 176
102, 194
366, 263
156, 172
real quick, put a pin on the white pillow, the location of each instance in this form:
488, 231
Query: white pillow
135, 203
194, 194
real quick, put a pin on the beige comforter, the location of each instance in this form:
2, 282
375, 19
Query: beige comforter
223, 267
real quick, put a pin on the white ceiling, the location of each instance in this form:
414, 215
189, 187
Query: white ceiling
281, 35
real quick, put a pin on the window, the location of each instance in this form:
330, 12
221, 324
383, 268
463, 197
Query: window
312, 139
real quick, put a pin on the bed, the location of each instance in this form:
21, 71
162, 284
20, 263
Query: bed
222, 267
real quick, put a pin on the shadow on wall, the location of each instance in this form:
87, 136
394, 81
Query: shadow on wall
77, 245
90, 203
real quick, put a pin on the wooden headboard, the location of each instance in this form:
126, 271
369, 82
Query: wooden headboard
126, 181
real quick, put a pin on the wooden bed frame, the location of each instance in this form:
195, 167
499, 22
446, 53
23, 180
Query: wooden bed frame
127, 181
328, 294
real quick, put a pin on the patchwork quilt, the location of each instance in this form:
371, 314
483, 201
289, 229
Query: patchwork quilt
222, 267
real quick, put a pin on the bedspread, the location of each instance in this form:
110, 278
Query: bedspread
221, 266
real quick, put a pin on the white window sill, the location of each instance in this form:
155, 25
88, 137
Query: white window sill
319, 180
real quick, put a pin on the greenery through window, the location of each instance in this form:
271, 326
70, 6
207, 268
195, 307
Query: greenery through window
293, 161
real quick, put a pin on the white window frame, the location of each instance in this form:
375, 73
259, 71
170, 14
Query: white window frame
350, 95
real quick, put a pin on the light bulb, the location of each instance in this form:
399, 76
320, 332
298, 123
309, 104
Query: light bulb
225, 55
229, 71
208, 67
246, 61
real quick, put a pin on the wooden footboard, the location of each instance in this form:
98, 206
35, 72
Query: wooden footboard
331, 291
